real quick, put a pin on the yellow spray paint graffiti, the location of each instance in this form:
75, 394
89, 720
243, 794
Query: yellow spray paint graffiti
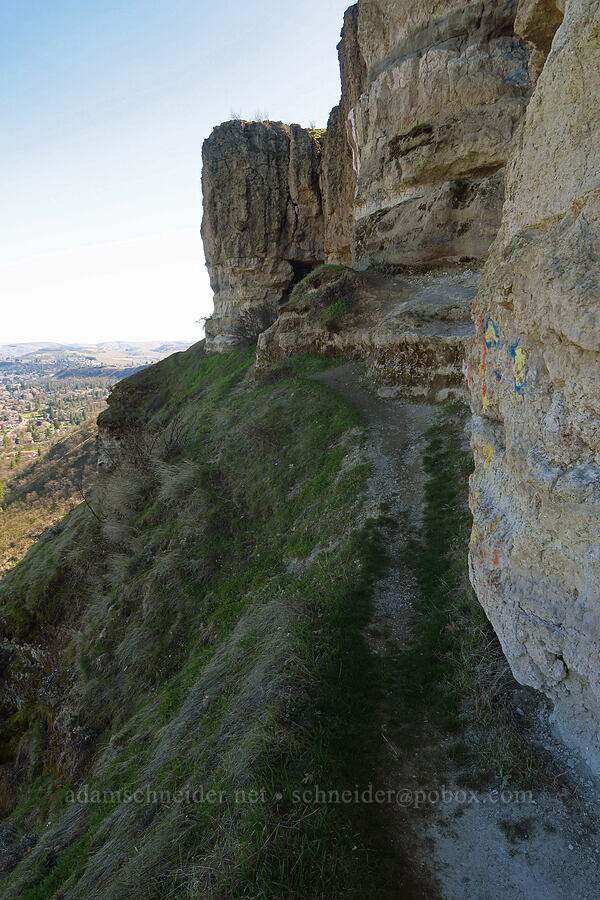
488, 452
491, 334
520, 367
473, 539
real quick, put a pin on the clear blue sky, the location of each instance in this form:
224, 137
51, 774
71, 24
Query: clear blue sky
103, 109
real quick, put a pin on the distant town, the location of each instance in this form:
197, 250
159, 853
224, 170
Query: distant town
46, 390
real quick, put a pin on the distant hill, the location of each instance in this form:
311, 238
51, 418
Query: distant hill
109, 353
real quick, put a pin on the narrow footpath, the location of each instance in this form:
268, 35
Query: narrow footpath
459, 841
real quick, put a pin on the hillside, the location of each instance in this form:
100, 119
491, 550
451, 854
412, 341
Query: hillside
194, 661
220, 590
40, 494
115, 353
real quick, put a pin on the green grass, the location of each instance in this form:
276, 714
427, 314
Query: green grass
454, 677
184, 589
302, 297
336, 749
62, 869
332, 314
417, 136
217, 613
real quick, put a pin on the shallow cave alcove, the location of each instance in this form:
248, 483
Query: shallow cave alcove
300, 269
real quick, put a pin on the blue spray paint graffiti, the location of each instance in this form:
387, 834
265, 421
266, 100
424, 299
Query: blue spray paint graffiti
520, 367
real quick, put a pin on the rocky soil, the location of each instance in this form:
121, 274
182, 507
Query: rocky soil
412, 330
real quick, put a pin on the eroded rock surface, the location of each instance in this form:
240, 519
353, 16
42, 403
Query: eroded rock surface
535, 549
339, 164
262, 225
537, 22
446, 85
408, 172
412, 331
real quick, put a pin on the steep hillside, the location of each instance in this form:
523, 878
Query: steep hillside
265, 594
252, 662
186, 632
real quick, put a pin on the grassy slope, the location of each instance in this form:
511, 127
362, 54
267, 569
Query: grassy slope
45, 491
207, 634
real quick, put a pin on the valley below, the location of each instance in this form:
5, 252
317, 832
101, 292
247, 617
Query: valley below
50, 397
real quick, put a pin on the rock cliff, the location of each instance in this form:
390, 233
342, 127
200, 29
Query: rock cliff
408, 172
535, 555
262, 225
339, 168
446, 85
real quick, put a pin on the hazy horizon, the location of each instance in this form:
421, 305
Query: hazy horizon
118, 342
104, 112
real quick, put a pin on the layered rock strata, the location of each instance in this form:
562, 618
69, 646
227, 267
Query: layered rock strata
408, 172
263, 222
535, 549
412, 331
446, 85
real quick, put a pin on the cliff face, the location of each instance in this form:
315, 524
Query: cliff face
409, 170
339, 165
535, 392
262, 225
446, 86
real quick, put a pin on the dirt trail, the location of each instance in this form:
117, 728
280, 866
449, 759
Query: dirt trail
464, 844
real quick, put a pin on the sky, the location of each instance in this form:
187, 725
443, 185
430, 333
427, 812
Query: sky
104, 106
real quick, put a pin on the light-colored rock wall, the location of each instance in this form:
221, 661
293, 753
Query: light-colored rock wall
338, 169
411, 331
537, 22
447, 82
534, 377
262, 218
409, 170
